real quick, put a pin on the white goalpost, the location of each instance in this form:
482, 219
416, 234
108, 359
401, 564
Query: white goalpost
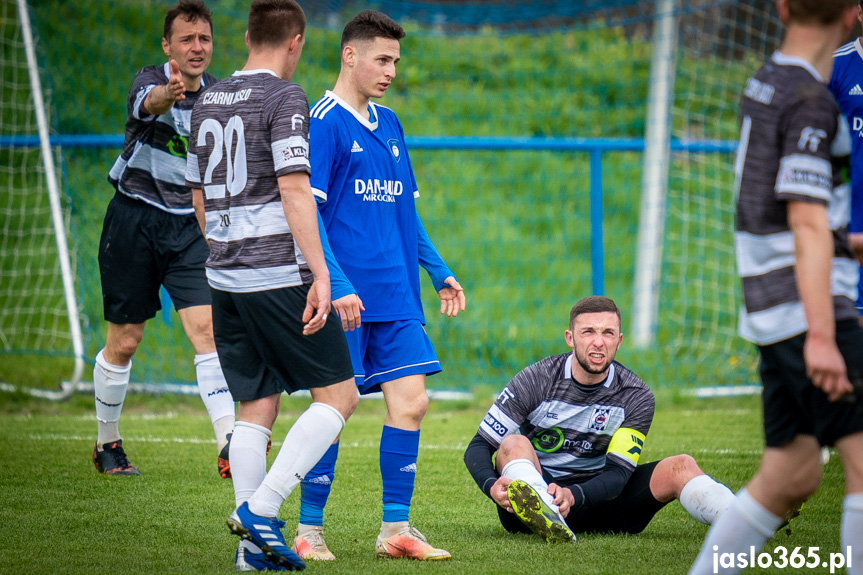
30, 326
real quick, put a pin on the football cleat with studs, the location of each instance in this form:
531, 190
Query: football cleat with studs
112, 460
409, 543
266, 533
537, 515
246, 561
311, 545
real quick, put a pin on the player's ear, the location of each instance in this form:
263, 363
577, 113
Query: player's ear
248, 46
349, 55
570, 340
166, 47
782, 11
296, 42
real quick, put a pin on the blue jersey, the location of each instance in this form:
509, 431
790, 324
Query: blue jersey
365, 186
846, 84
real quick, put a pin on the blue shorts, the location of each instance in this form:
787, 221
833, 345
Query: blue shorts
382, 351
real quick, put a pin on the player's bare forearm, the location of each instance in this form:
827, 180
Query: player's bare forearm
298, 204
162, 98
813, 248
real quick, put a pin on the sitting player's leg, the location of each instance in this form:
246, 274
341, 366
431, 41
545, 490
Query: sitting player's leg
528, 492
679, 477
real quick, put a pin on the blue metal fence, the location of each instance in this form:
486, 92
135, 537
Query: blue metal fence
596, 148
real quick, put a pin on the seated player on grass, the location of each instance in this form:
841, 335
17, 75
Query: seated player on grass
558, 451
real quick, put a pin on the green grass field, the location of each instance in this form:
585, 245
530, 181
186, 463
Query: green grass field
61, 517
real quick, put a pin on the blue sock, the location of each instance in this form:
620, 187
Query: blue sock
399, 450
315, 488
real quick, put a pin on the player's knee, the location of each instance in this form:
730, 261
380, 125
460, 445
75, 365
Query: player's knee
685, 466
349, 404
123, 347
515, 446
415, 409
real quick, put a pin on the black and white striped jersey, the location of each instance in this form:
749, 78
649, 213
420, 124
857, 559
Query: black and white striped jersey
569, 424
152, 165
793, 145
247, 131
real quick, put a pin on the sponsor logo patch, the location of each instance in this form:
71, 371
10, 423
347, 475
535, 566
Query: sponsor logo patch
495, 425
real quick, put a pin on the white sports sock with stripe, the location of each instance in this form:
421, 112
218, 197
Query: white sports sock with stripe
110, 383
215, 394
306, 442
248, 455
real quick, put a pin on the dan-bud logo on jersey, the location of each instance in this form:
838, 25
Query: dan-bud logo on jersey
374, 190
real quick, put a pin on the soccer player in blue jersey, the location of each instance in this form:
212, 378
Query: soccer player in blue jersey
846, 84
150, 237
362, 177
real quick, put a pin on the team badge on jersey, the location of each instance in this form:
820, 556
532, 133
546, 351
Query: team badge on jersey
599, 419
393, 145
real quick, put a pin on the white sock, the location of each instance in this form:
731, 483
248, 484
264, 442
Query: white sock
306, 442
746, 523
525, 470
705, 498
215, 395
248, 455
110, 383
852, 532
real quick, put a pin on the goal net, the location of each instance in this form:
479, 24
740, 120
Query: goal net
478, 86
39, 333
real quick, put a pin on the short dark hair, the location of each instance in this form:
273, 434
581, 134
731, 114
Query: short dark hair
818, 11
371, 24
271, 22
592, 304
191, 11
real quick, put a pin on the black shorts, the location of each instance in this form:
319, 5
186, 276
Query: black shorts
629, 512
142, 248
262, 349
793, 406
